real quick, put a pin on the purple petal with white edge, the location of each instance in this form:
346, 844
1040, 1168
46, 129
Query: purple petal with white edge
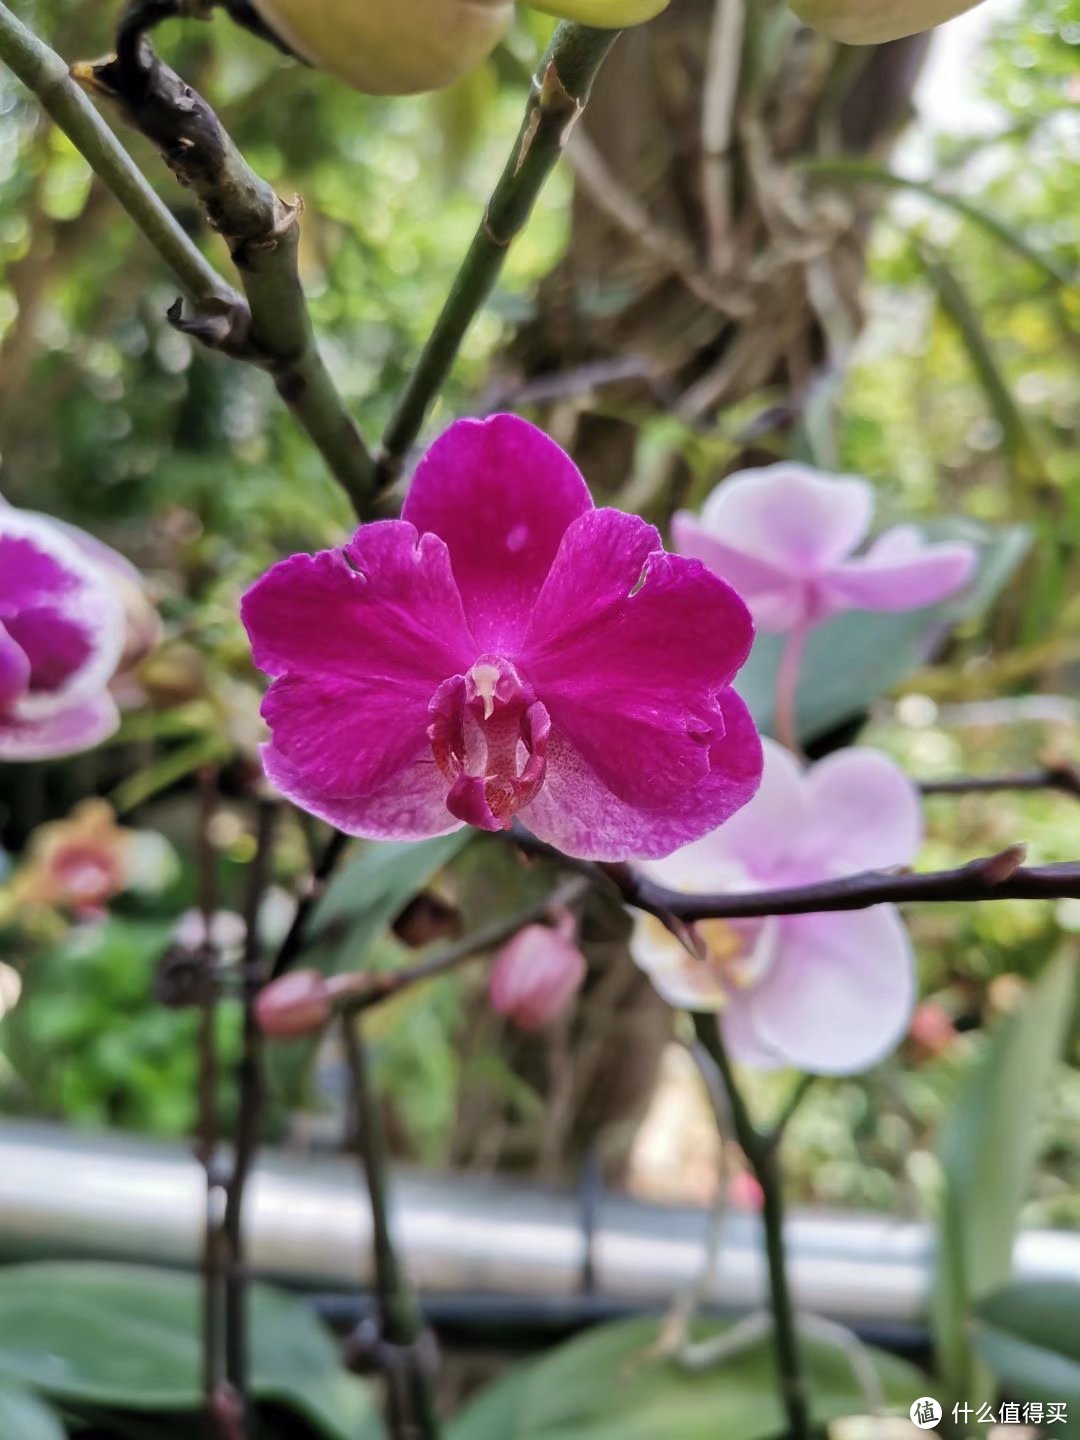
61, 611
384, 608
409, 806
629, 649
501, 494
66, 731
839, 996
862, 813
799, 519
14, 669
578, 812
903, 571
777, 600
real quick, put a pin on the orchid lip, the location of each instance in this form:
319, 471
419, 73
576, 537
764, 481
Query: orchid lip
488, 735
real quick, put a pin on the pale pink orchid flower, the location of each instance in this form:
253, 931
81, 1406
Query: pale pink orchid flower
786, 538
832, 993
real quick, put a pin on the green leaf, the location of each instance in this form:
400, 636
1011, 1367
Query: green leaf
127, 1336
853, 660
370, 891
1028, 1333
24, 1417
609, 1385
988, 1147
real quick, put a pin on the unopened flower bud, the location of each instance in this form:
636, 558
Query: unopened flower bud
871, 22
535, 976
932, 1028
297, 1004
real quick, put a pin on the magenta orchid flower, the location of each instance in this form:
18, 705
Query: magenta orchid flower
786, 536
831, 993
62, 637
506, 649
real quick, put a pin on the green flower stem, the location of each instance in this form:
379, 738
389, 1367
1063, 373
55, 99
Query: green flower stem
559, 93
760, 1150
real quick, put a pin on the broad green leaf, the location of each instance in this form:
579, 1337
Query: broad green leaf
853, 660
988, 1147
127, 1336
610, 1385
24, 1417
370, 891
1028, 1333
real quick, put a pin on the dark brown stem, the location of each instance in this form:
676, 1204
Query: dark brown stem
402, 1348
249, 1113
293, 943
1062, 777
992, 877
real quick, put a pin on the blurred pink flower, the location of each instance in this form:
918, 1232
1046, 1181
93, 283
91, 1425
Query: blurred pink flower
72, 613
932, 1028
535, 976
744, 1191
830, 993
506, 649
77, 864
785, 536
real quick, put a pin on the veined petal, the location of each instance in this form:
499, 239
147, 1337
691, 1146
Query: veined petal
383, 608
629, 648
902, 571
501, 494
794, 517
861, 813
579, 813
411, 805
840, 994
344, 737
64, 731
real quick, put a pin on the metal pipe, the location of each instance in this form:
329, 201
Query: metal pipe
64, 1194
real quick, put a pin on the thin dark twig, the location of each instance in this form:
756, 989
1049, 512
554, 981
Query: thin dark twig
991, 877
249, 1112
314, 890
402, 1348
1062, 777
206, 1145
776, 1131
380, 986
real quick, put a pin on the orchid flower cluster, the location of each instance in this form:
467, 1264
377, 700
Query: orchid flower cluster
507, 653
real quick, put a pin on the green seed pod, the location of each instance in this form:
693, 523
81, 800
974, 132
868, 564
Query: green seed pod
871, 22
390, 47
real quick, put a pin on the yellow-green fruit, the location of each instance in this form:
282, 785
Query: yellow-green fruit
390, 47
871, 22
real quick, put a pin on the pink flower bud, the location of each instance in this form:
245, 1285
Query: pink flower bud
297, 1004
535, 976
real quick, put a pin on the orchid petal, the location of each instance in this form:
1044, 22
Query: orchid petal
839, 996
63, 731
862, 813
902, 571
501, 494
